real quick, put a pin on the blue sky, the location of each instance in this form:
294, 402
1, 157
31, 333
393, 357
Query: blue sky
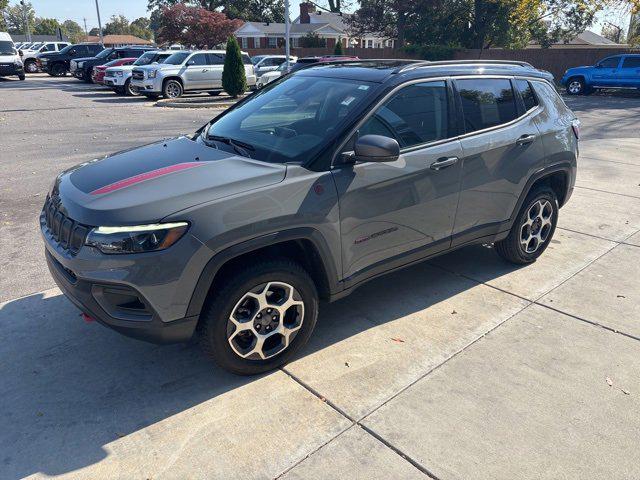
78, 9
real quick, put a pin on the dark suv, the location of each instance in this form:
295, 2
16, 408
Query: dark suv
57, 63
303, 191
81, 68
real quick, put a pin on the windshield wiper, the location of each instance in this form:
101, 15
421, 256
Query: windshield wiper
240, 147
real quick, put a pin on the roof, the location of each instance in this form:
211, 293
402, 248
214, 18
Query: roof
120, 40
278, 28
585, 38
336, 20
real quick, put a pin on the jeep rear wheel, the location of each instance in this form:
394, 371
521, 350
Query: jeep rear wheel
261, 316
533, 229
172, 89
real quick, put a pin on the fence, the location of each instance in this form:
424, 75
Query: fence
556, 60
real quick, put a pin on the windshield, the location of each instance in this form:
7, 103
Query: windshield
6, 48
177, 58
104, 53
146, 59
292, 120
35, 46
113, 63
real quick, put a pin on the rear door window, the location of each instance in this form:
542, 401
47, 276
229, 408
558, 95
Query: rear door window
526, 92
631, 62
486, 102
416, 114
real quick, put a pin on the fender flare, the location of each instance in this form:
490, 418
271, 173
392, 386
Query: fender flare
216, 262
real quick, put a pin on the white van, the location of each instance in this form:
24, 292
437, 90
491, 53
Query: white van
10, 63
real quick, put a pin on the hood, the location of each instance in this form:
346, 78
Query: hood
124, 68
86, 59
156, 66
50, 55
145, 184
8, 58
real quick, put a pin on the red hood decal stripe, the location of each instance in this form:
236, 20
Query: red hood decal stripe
146, 176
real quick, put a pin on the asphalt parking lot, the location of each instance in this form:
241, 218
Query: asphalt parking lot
462, 367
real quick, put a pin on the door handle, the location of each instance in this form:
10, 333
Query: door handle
525, 139
205, 70
443, 162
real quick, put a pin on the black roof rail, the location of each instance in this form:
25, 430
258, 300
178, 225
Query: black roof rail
366, 61
427, 63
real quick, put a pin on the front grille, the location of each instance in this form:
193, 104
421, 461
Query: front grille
137, 74
67, 233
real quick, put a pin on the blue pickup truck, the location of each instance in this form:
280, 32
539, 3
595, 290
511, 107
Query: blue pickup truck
619, 71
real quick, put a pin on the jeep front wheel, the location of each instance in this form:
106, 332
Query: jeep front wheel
533, 229
261, 316
172, 89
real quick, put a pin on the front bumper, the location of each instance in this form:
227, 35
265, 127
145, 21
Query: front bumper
148, 85
9, 69
115, 81
144, 296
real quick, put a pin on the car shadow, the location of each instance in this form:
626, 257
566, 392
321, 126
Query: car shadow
69, 389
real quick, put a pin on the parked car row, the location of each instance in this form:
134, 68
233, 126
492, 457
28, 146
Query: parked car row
295, 63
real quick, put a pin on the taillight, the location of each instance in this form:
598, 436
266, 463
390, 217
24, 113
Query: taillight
575, 126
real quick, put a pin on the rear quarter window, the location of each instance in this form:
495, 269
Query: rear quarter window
526, 92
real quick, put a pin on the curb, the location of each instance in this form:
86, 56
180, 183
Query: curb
194, 103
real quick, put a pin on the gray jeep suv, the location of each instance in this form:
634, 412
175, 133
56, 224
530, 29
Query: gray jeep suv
303, 191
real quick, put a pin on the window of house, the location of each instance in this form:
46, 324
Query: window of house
272, 42
244, 42
415, 115
486, 102
526, 92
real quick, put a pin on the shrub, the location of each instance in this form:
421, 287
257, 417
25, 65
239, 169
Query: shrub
312, 40
234, 80
338, 48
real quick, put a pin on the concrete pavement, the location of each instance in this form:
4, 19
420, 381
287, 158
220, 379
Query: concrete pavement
463, 367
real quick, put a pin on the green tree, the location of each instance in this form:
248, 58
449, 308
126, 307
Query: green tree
3, 5
72, 30
338, 50
14, 18
234, 80
141, 28
117, 25
46, 26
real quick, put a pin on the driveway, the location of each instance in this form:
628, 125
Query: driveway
462, 367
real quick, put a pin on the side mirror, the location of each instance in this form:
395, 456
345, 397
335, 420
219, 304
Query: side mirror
376, 148
598, 65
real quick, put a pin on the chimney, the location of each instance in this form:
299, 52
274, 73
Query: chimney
305, 10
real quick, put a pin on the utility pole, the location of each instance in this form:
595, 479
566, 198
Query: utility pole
86, 32
287, 27
25, 12
99, 24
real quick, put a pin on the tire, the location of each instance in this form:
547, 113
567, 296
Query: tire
31, 66
129, 90
576, 86
513, 248
280, 278
215, 93
172, 89
21, 76
58, 70
86, 77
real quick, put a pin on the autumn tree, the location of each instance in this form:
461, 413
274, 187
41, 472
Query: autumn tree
195, 26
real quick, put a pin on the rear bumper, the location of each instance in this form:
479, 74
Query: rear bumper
89, 297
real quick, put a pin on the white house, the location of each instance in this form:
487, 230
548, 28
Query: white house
327, 25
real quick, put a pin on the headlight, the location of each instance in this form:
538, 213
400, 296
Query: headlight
152, 73
119, 74
136, 239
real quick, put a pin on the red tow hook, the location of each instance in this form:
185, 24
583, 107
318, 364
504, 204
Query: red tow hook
87, 318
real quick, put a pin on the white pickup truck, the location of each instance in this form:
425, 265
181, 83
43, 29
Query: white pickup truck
30, 57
